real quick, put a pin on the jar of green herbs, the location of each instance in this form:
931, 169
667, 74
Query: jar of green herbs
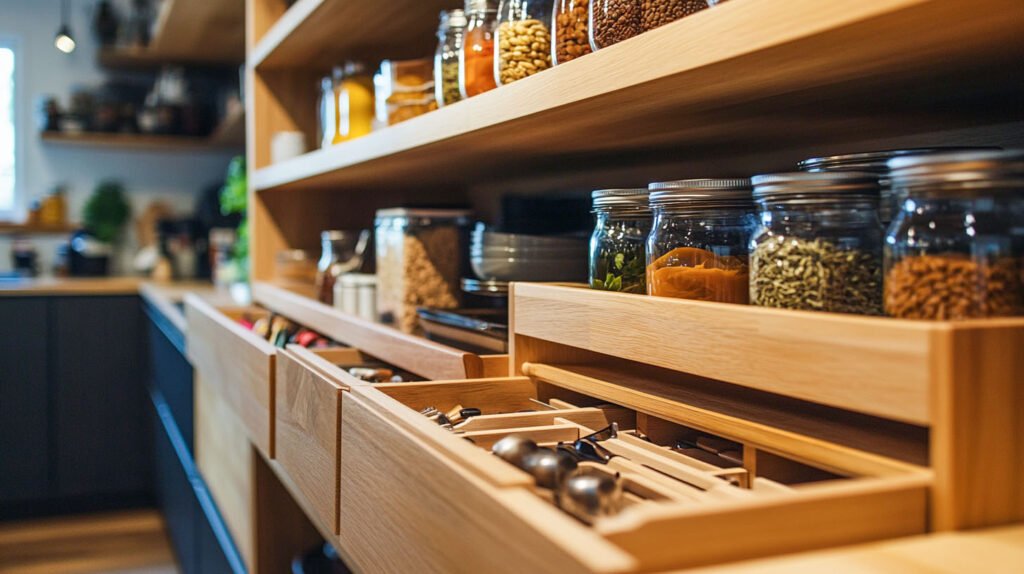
618, 244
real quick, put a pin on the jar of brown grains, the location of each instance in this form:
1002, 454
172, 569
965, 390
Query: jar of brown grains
655, 13
955, 249
569, 24
522, 41
612, 21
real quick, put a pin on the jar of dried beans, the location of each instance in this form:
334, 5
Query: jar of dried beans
476, 58
700, 241
955, 249
522, 40
612, 21
617, 245
655, 13
450, 33
569, 25
819, 243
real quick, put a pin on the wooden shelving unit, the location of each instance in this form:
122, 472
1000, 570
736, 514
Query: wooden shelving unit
228, 135
7, 228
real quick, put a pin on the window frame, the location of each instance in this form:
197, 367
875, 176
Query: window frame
13, 43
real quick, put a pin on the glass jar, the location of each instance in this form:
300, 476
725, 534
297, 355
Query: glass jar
476, 59
656, 13
612, 21
954, 250
340, 252
420, 259
523, 40
328, 111
450, 33
410, 88
617, 244
355, 102
819, 243
699, 246
874, 162
570, 24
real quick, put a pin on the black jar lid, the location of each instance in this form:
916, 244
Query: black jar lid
629, 198
807, 187
961, 172
702, 193
875, 161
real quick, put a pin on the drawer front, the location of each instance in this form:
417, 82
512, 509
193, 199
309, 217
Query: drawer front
307, 445
238, 364
406, 508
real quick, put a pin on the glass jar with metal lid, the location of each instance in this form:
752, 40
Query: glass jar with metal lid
955, 248
700, 240
819, 243
617, 244
450, 33
875, 162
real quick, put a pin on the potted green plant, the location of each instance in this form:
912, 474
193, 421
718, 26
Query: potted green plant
104, 216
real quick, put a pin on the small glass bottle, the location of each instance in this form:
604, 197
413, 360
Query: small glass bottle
955, 249
699, 246
355, 102
523, 40
337, 77
476, 59
328, 112
570, 22
819, 243
617, 245
446, 59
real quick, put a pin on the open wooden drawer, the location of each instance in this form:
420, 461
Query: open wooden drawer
418, 497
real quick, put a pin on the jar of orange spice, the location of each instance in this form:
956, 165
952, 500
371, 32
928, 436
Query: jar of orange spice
476, 60
699, 242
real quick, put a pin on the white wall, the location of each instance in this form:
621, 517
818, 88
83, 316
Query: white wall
174, 177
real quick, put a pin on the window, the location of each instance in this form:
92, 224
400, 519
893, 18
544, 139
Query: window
7, 134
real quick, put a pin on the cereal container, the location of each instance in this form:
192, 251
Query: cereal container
955, 249
523, 40
570, 21
420, 255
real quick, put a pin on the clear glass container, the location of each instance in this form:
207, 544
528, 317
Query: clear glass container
660, 12
955, 250
420, 259
612, 21
476, 59
617, 245
699, 246
819, 243
450, 34
875, 162
328, 111
522, 40
355, 102
340, 252
570, 24
410, 88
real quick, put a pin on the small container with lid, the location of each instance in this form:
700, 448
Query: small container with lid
450, 34
819, 243
476, 59
355, 108
955, 249
409, 89
523, 40
874, 162
570, 21
699, 244
420, 259
617, 245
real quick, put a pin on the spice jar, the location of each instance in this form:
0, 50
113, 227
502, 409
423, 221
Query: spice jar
954, 250
523, 40
420, 255
612, 21
617, 244
476, 59
655, 13
874, 162
446, 60
819, 243
700, 242
569, 24
355, 106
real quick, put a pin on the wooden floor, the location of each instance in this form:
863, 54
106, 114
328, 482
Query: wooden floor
122, 543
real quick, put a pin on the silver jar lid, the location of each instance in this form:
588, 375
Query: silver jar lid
629, 198
874, 161
456, 18
962, 172
478, 6
807, 187
702, 193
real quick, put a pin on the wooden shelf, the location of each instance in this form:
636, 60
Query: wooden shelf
747, 79
323, 33
196, 32
140, 142
415, 354
7, 228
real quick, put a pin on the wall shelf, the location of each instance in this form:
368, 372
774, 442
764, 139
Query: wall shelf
8, 228
748, 77
228, 135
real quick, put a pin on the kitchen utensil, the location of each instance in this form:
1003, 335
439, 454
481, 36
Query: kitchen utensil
549, 467
590, 494
514, 448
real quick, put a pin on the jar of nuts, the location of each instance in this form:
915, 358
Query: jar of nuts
523, 40
956, 247
569, 24
819, 243
612, 21
655, 13
420, 259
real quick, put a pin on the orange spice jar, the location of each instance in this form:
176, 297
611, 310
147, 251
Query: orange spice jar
699, 243
476, 65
